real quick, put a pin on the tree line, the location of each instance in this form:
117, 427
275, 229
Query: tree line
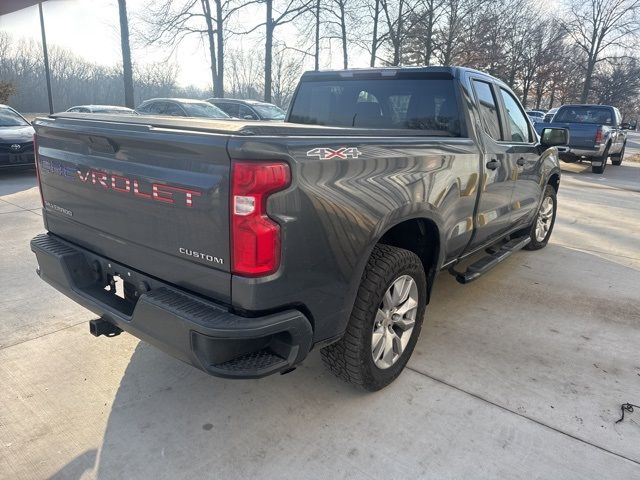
568, 51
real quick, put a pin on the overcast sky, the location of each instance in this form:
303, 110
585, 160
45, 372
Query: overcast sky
91, 29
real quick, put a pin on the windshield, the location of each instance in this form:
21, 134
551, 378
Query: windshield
204, 110
584, 114
270, 112
420, 103
9, 118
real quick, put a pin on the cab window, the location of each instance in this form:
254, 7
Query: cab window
488, 108
518, 123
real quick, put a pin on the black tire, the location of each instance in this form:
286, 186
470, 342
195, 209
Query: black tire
603, 159
351, 358
617, 159
536, 244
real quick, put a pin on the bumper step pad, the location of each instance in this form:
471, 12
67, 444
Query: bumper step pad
205, 334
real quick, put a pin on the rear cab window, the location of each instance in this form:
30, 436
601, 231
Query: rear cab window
425, 103
584, 114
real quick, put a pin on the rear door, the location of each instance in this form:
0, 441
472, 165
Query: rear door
153, 199
523, 156
493, 213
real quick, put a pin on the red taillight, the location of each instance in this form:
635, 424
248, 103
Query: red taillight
598, 139
35, 159
255, 238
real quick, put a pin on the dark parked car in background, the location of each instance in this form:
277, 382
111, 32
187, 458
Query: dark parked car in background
249, 109
16, 139
102, 109
535, 115
596, 133
180, 107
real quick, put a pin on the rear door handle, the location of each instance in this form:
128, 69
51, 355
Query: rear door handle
493, 164
520, 162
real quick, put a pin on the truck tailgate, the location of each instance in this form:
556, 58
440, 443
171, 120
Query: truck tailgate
152, 198
581, 135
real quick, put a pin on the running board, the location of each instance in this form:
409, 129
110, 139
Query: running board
482, 266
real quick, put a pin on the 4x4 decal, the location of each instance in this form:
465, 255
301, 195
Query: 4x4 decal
329, 153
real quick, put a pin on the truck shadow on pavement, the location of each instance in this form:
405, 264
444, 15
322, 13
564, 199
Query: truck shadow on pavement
536, 343
625, 176
18, 180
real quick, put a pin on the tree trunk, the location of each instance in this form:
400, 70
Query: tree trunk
127, 68
539, 94
220, 38
374, 41
317, 55
343, 31
525, 93
586, 87
397, 50
206, 8
268, 53
552, 97
428, 51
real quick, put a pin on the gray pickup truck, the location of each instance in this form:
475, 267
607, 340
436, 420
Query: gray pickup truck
239, 246
596, 134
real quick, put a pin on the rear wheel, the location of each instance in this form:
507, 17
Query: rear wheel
617, 159
542, 227
602, 161
385, 322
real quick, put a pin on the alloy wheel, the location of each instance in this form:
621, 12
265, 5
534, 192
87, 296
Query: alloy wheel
394, 322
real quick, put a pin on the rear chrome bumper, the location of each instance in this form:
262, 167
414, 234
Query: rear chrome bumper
577, 153
190, 328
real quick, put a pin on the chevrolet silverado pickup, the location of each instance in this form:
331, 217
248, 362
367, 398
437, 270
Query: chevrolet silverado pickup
239, 246
596, 133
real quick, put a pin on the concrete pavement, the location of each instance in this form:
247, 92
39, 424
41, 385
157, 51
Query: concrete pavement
518, 375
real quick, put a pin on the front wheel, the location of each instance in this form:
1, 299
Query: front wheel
542, 227
385, 322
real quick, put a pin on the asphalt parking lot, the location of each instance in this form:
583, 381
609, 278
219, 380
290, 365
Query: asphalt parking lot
518, 375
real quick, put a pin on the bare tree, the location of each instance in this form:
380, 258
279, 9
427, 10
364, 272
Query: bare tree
246, 74
317, 36
276, 17
287, 69
169, 22
456, 29
598, 26
126, 54
395, 15
340, 12
421, 41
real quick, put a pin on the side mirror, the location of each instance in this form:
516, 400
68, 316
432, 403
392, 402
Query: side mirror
554, 137
625, 125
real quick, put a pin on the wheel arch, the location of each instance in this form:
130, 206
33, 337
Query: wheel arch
554, 180
421, 235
